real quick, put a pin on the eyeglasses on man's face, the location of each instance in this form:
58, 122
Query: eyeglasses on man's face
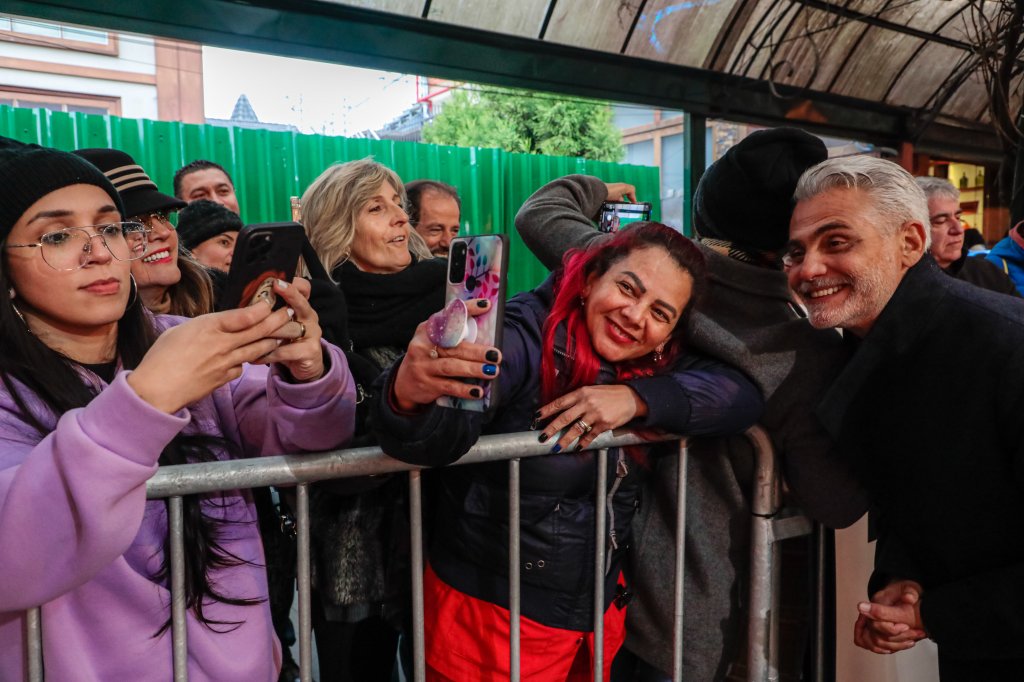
71, 247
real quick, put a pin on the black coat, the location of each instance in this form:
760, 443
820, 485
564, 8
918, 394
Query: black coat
931, 410
469, 550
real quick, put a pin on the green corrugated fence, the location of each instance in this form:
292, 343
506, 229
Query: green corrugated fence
268, 167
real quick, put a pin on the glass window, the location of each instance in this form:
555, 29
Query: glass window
640, 153
85, 35
35, 28
626, 116
82, 109
34, 104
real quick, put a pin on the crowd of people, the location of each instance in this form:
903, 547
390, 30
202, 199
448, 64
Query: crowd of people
832, 301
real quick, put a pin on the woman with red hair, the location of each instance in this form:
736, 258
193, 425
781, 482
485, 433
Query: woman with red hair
598, 346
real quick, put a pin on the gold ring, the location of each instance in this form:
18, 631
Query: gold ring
302, 331
583, 426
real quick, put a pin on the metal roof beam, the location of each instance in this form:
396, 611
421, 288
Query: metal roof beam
360, 37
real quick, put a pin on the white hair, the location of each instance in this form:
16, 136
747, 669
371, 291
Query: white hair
896, 198
938, 187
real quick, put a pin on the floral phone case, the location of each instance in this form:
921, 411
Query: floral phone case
477, 268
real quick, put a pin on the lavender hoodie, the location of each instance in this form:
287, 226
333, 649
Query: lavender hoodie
78, 536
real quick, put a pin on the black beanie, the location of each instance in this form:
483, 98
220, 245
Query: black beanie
204, 219
137, 190
746, 197
29, 172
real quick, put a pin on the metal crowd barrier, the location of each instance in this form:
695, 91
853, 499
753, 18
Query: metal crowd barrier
300, 470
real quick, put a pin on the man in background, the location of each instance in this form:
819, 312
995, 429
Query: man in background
435, 211
948, 234
202, 179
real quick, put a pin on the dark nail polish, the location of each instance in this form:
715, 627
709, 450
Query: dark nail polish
555, 450
475, 392
490, 370
482, 303
543, 437
491, 355
536, 415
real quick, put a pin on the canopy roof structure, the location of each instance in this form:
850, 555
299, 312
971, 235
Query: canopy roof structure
886, 71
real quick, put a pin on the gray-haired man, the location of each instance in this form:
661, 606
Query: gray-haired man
944, 216
950, 561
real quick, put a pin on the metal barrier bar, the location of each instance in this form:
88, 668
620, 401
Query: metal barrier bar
416, 555
298, 470
179, 626
764, 506
34, 645
818, 657
601, 514
513, 570
678, 621
305, 584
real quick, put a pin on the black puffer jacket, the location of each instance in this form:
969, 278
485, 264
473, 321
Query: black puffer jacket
469, 549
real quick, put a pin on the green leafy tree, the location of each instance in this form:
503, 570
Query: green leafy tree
529, 123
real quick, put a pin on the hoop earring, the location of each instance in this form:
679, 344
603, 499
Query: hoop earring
134, 287
21, 317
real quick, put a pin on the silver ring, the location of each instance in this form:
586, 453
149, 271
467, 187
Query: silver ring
433, 353
583, 426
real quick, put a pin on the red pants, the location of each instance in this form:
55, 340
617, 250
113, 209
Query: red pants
467, 639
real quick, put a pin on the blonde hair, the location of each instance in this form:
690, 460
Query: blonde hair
331, 204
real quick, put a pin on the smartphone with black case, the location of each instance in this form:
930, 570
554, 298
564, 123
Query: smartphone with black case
264, 252
478, 268
616, 215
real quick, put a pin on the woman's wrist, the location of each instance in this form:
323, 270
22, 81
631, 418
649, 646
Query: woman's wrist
399, 406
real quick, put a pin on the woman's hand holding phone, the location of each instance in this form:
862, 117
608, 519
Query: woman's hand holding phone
191, 360
301, 353
428, 372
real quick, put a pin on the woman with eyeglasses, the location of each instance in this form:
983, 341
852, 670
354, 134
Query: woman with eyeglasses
169, 280
95, 393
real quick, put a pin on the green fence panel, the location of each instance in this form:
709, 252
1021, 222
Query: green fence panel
269, 167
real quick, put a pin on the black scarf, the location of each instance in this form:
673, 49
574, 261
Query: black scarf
384, 310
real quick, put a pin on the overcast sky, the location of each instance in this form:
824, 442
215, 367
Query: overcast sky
313, 96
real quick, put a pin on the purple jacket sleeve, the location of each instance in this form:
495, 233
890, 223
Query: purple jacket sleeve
269, 416
73, 502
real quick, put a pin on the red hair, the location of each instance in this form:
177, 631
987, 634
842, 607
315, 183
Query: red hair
580, 367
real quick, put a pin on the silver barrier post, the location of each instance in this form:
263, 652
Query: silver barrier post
179, 626
304, 584
34, 645
821, 535
677, 649
416, 555
514, 594
599, 558
763, 508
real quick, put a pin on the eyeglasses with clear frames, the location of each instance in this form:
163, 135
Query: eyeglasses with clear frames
70, 248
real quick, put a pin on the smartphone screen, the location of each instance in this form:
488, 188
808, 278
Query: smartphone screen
615, 216
477, 268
